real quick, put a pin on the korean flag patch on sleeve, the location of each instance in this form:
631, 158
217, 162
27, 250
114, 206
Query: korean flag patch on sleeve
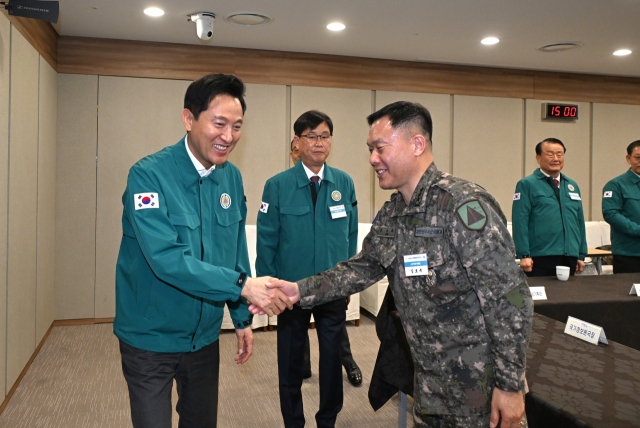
608, 194
142, 201
264, 207
516, 196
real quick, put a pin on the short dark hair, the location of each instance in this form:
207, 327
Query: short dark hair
632, 146
548, 140
200, 93
405, 113
311, 120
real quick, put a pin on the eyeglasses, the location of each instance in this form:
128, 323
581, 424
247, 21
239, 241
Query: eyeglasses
325, 138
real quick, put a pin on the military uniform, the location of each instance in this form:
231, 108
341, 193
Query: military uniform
468, 319
621, 209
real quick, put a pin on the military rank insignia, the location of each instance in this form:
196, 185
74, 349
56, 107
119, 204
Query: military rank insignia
472, 215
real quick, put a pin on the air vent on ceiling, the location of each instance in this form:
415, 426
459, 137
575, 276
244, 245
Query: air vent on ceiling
560, 47
248, 19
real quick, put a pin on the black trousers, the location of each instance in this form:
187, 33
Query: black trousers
150, 375
345, 349
293, 327
546, 265
626, 264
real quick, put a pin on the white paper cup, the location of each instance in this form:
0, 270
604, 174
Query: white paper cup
562, 272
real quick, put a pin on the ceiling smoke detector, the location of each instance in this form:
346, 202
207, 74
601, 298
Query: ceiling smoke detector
248, 19
560, 47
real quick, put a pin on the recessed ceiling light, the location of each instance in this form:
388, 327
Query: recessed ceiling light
489, 40
248, 19
622, 52
154, 11
336, 26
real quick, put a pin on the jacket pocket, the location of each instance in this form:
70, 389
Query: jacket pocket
190, 220
295, 209
228, 218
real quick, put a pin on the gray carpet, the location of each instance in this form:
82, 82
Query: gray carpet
76, 381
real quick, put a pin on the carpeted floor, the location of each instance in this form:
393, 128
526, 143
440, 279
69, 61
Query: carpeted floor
76, 381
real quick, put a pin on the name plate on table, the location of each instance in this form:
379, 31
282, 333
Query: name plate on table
538, 293
583, 330
635, 290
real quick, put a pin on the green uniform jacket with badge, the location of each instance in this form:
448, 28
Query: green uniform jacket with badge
293, 241
621, 209
544, 227
169, 296
468, 321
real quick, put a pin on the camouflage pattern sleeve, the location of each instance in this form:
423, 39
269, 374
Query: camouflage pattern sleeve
349, 277
487, 254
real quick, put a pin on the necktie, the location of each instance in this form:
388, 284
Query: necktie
315, 186
555, 180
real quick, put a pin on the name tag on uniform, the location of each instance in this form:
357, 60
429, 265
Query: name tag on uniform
538, 293
428, 232
583, 330
338, 212
416, 265
575, 196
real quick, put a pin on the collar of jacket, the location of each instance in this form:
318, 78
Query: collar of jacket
540, 175
303, 180
633, 176
188, 171
418, 201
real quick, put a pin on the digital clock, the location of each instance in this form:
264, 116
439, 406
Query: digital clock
559, 111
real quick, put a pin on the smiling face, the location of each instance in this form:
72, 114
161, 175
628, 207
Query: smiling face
551, 159
216, 131
314, 153
396, 156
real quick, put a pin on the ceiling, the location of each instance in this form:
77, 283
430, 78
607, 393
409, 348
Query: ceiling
444, 31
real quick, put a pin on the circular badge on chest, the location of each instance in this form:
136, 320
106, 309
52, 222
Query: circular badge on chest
225, 201
336, 196
570, 187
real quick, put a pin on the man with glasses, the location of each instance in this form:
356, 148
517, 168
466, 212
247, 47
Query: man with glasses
548, 221
308, 222
621, 209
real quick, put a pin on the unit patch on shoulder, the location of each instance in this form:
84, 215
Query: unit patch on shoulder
472, 215
264, 207
516, 196
143, 201
336, 196
608, 194
225, 201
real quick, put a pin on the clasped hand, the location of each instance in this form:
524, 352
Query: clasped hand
269, 295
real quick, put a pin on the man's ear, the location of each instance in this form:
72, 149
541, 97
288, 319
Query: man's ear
419, 144
187, 119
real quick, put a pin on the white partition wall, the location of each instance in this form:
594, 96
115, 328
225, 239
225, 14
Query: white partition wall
348, 109
614, 128
439, 106
576, 136
487, 144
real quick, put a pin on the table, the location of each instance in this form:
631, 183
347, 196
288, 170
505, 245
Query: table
573, 383
599, 299
594, 253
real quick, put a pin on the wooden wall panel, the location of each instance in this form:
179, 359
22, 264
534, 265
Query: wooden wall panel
76, 196
174, 61
576, 137
614, 128
39, 34
46, 228
5, 51
261, 152
348, 109
439, 105
23, 191
137, 117
488, 144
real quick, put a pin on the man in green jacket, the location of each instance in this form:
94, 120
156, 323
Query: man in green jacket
308, 222
184, 255
548, 221
621, 209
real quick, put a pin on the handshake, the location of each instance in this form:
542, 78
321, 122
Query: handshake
269, 295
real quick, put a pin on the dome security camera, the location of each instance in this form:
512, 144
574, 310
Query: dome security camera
204, 24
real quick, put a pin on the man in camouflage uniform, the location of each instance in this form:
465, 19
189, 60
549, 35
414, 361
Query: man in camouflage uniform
468, 314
